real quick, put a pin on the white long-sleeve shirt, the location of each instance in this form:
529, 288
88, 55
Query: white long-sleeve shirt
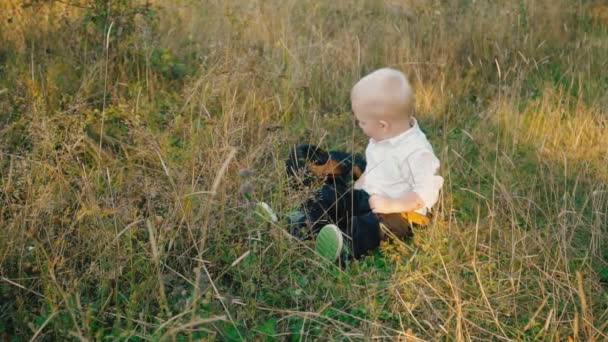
403, 164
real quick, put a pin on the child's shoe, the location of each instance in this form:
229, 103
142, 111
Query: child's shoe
330, 243
263, 210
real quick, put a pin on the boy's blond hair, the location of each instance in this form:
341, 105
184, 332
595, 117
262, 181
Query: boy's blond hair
384, 94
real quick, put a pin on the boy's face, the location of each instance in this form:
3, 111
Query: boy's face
372, 127
371, 114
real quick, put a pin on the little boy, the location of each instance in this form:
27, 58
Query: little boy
400, 182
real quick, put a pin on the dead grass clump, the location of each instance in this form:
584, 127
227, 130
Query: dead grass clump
124, 214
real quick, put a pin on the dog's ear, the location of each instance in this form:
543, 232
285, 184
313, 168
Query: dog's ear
359, 165
310, 153
357, 172
304, 163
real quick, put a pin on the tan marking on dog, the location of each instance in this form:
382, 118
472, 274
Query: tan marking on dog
332, 167
357, 172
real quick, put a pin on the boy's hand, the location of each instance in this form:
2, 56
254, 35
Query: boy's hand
387, 205
381, 204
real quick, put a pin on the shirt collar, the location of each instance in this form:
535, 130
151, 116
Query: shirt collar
402, 136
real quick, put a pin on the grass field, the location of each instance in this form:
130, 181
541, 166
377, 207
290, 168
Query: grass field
134, 138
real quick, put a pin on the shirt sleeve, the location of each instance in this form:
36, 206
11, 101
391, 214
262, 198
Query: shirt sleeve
422, 168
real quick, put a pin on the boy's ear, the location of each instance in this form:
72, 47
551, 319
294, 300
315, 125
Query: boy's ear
383, 124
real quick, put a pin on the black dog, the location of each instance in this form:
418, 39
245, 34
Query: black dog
336, 171
335, 201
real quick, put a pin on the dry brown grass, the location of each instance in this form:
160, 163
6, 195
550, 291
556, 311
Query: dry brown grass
121, 208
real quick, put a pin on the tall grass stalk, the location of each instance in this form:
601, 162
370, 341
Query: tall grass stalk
136, 137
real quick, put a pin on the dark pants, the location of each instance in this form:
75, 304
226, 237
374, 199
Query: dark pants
349, 209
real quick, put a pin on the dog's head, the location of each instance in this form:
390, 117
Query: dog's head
308, 163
